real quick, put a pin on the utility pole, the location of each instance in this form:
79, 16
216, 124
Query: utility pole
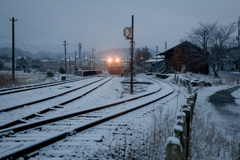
13, 49
93, 60
131, 65
165, 44
156, 57
238, 39
75, 68
90, 58
65, 51
238, 43
79, 51
69, 64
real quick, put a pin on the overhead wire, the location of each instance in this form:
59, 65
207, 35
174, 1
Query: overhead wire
35, 29
5, 14
28, 45
19, 35
5, 37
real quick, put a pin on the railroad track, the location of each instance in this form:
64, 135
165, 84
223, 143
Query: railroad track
35, 86
20, 141
44, 110
45, 99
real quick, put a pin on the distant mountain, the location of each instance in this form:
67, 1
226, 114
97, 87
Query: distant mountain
49, 55
18, 52
122, 53
40, 55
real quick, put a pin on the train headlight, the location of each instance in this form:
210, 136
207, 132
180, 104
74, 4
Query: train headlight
117, 60
109, 60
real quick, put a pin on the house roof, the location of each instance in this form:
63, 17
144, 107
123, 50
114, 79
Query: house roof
154, 60
171, 50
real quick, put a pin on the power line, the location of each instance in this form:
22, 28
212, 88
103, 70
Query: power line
19, 35
34, 29
28, 45
5, 37
5, 14
21, 42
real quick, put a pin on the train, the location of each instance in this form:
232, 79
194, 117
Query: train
114, 65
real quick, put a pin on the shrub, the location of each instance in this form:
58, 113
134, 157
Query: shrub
50, 73
62, 70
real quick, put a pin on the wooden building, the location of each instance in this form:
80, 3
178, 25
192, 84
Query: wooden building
184, 56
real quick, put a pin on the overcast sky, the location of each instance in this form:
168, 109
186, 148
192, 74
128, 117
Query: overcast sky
43, 25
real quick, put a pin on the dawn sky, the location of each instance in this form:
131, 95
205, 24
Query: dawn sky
43, 25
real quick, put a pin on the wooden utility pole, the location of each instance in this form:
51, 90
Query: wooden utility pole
69, 64
13, 49
238, 43
131, 63
156, 56
75, 68
93, 59
79, 51
65, 52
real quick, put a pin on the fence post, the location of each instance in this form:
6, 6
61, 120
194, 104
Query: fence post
186, 110
173, 149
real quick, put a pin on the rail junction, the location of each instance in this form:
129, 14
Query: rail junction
26, 136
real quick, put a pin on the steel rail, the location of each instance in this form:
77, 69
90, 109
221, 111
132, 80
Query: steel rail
37, 86
31, 148
15, 122
45, 99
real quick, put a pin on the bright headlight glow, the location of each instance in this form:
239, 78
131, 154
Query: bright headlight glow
109, 60
117, 60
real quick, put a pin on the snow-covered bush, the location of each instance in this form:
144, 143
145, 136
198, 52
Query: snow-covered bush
62, 70
50, 73
214, 143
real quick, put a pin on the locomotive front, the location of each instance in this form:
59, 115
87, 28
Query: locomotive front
114, 66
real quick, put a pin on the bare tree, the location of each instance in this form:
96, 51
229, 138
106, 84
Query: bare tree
142, 55
214, 40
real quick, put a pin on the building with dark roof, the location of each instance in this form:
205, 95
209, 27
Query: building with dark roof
184, 56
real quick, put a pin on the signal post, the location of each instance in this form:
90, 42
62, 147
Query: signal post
128, 33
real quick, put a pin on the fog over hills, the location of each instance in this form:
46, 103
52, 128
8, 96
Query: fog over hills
122, 53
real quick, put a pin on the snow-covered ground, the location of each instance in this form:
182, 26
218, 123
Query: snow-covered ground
124, 135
